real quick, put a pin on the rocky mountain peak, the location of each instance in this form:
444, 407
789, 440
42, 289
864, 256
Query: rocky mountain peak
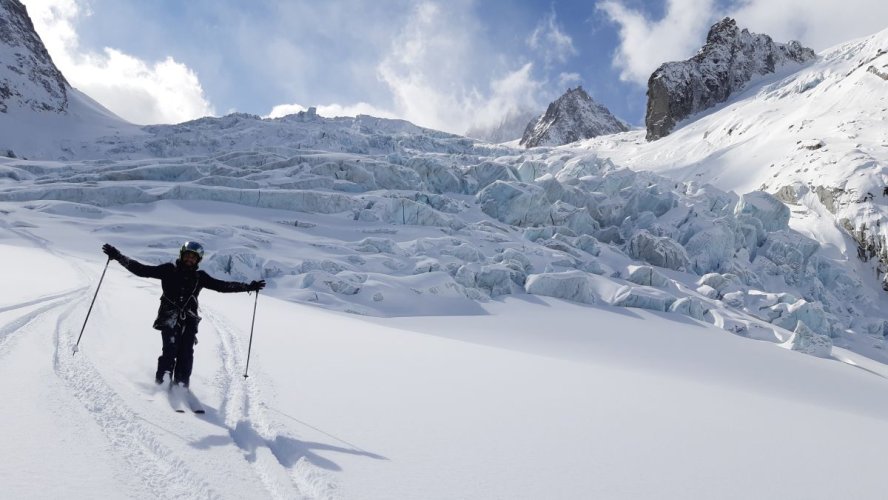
722, 32
571, 117
730, 58
28, 77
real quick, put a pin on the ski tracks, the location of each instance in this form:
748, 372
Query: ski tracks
158, 468
22, 324
252, 429
160, 471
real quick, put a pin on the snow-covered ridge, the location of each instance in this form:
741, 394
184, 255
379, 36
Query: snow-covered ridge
240, 132
729, 60
571, 117
41, 116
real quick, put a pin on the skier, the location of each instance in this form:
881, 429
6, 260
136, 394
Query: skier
177, 317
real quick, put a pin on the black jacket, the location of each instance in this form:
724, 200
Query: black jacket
181, 287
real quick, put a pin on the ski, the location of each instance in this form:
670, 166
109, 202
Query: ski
182, 400
178, 398
194, 403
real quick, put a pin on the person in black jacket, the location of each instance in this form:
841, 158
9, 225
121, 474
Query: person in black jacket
177, 316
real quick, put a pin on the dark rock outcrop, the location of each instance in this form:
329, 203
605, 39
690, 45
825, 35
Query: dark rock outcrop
729, 60
572, 117
28, 77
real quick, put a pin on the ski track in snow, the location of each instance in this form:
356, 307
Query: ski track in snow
251, 428
158, 467
160, 471
22, 324
40, 300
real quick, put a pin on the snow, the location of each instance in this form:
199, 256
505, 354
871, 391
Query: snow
476, 406
768, 210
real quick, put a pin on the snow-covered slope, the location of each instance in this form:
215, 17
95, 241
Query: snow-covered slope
528, 397
41, 115
815, 137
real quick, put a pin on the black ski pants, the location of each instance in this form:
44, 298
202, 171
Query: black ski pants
177, 357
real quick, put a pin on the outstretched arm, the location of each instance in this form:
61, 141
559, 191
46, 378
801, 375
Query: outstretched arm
133, 266
230, 286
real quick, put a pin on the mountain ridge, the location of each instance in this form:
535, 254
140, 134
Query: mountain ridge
730, 58
33, 81
571, 117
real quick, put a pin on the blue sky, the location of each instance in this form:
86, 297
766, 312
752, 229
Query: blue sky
447, 65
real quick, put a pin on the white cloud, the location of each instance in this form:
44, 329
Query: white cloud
361, 108
818, 24
568, 79
331, 110
513, 94
645, 44
160, 92
548, 40
438, 72
284, 110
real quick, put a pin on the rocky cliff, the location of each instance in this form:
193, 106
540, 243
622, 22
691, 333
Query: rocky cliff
28, 77
730, 58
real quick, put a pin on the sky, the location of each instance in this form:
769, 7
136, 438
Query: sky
451, 65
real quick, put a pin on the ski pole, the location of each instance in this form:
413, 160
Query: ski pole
91, 306
250, 347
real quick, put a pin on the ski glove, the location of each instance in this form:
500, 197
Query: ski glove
255, 286
111, 252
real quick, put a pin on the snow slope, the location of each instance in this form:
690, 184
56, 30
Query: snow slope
29, 134
768, 134
41, 115
520, 400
